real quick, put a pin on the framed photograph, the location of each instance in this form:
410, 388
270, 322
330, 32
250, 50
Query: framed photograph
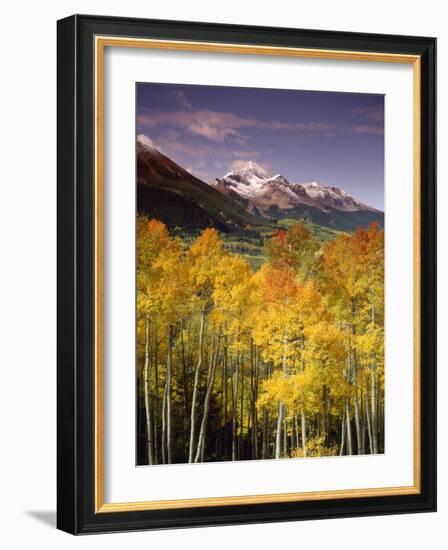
246, 274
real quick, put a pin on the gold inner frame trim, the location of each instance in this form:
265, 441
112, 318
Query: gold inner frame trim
101, 42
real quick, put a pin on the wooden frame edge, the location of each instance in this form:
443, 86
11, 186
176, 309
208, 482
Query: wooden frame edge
100, 507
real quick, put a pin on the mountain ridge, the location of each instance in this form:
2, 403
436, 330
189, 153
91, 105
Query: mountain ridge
168, 192
263, 190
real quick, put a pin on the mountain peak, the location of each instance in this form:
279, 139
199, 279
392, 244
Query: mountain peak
251, 172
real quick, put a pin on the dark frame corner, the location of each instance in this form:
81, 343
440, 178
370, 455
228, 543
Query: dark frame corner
75, 225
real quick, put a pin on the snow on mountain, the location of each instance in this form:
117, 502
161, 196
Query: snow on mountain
333, 197
261, 190
147, 143
251, 174
258, 187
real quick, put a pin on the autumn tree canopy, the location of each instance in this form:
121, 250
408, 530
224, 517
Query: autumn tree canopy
235, 364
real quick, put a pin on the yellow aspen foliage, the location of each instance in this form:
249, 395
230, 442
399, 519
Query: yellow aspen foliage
283, 361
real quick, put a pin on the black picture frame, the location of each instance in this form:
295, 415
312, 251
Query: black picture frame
76, 264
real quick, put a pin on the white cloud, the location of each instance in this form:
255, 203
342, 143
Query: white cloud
375, 113
221, 126
181, 98
367, 129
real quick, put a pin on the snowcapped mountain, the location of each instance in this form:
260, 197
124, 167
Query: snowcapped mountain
250, 174
260, 191
333, 197
243, 200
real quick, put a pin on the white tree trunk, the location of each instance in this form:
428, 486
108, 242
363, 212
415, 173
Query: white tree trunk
265, 436
349, 430
278, 437
341, 452
373, 396
148, 394
374, 412
211, 381
234, 382
369, 426
195, 389
303, 415
163, 439
359, 443
168, 395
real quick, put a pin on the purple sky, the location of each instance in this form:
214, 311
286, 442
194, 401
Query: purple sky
330, 137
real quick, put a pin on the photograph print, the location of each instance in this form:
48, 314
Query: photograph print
259, 274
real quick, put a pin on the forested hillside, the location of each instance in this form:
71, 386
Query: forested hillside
236, 364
